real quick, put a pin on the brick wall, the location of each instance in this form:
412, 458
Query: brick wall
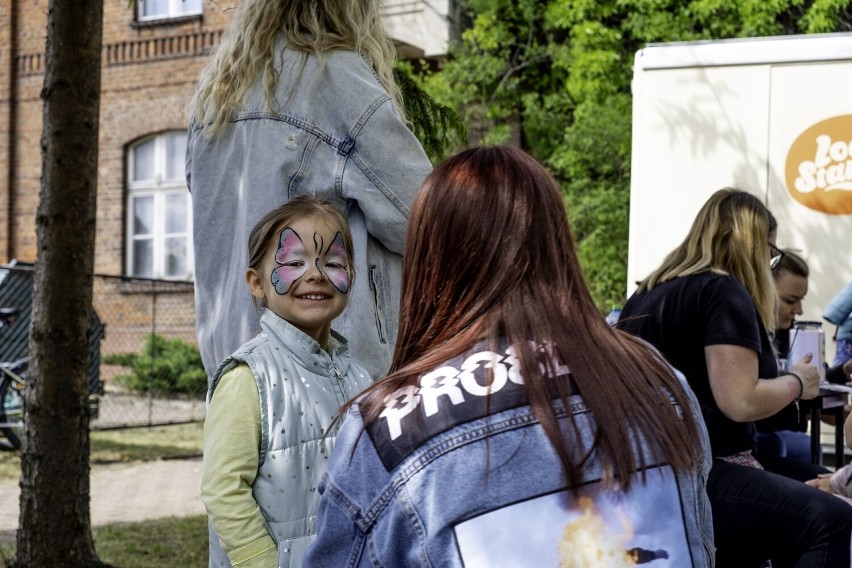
133, 308
148, 75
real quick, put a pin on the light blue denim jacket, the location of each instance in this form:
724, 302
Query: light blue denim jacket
839, 312
332, 132
437, 482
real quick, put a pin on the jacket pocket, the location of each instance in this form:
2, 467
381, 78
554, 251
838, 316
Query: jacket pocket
378, 303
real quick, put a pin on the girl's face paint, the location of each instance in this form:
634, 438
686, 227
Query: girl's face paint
293, 260
305, 280
336, 265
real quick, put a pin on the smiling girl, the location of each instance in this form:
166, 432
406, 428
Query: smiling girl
271, 402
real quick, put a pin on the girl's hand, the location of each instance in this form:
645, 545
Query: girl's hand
847, 430
809, 375
823, 483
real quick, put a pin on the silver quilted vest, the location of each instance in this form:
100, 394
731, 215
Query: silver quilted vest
301, 387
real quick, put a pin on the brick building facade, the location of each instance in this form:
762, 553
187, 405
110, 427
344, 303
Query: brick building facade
151, 58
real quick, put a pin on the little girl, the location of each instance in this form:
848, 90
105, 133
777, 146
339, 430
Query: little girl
271, 401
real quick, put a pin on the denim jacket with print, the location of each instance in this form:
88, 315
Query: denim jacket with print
440, 481
331, 131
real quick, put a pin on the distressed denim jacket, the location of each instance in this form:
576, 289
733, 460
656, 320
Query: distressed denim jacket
439, 481
332, 131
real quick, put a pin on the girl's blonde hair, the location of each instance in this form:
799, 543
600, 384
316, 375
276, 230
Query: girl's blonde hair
730, 235
246, 50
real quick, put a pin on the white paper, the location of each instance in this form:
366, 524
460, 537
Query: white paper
803, 342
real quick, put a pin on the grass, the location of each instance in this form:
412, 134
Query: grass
127, 445
171, 541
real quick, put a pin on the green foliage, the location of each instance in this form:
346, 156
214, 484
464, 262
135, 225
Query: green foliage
553, 76
438, 127
164, 365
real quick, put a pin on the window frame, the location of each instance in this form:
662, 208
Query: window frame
172, 14
159, 188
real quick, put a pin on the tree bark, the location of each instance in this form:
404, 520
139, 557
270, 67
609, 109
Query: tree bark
55, 525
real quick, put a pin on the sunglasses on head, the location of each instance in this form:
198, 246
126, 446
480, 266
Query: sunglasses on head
775, 256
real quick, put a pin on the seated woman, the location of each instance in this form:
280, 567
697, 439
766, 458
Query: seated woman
516, 428
707, 309
783, 434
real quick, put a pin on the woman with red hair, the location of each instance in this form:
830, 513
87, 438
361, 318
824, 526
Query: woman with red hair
515, 426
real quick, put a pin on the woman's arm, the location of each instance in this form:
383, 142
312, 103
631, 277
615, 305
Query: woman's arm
386, 168
741, 395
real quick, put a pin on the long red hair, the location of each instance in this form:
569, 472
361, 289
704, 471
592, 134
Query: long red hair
490, 255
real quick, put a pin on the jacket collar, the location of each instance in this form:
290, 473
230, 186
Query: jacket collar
304, 348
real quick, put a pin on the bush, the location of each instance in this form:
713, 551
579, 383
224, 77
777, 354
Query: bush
164, 365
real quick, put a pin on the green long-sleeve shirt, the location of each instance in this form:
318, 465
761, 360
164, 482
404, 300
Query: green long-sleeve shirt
231, 453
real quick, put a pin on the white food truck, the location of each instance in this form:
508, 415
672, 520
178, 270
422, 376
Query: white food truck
772, 116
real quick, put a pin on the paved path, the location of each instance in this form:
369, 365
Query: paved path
126, 493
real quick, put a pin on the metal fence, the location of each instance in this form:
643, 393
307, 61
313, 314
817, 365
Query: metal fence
128, 312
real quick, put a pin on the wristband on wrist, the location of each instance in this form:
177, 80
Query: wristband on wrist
801, 387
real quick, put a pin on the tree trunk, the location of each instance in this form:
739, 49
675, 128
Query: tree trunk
55, 525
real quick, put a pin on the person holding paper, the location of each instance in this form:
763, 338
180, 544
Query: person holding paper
783, 435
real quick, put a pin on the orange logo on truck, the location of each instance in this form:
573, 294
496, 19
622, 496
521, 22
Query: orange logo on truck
819, 166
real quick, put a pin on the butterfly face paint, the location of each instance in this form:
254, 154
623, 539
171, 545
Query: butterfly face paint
293, 261
336, 266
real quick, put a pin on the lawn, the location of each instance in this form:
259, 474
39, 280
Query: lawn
174, 541
127, 445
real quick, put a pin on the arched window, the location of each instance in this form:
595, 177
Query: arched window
159, 215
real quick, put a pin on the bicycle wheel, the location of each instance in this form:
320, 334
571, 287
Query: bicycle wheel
12, 411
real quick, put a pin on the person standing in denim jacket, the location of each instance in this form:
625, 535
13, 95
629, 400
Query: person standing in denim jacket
516, 428
784, 433
299, 98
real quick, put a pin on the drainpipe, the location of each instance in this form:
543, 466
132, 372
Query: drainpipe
13, 124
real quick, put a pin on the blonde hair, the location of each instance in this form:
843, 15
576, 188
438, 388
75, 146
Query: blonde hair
246, 50
730, 235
